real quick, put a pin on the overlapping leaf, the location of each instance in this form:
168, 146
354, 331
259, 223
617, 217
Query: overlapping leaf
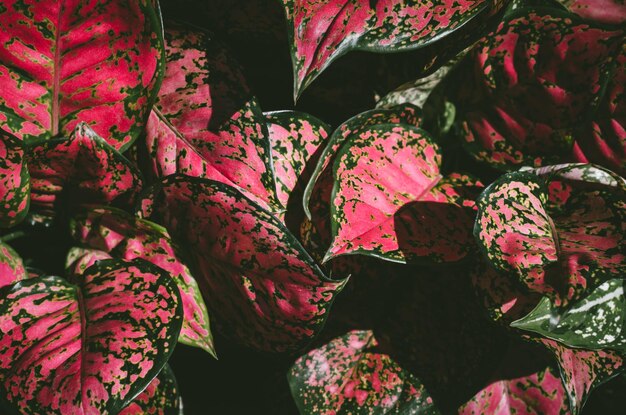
390, 200
161, 397
14, 181
537, 82
262, 288
320, 31
64, 62
90, 346
205, 122
349, 375
558, 229
83, 169
121, 235
11, 266
603, 11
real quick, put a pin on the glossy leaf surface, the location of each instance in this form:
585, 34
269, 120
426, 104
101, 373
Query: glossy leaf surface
88, 347
261, 287
67, 61
320, 31
161, 397
124, 236
349, 376
11, 266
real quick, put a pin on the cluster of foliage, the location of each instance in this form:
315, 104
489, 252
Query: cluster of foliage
470, 226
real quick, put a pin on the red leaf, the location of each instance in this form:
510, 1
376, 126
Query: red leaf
11, 266
14, 181
63, 62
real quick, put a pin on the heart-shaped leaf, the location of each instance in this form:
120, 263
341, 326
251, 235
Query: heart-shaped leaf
583, 370
321, 31
538, 393
558, 229
85, 169
603, 11
205, 122
538, 80
65, 62
161, 397
14, 181
122, 235
89, 347
11, 266
261, 286
391, 201
349, 376
595, 322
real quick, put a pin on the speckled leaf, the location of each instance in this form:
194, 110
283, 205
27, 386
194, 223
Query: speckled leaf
320, 31
205, 123
161, 397
350, 376
560, 235
14, 181
583, 370
83, 169
11, 266
296, 138
261, 287
536, 83
391, 201
68, 61
122, 235
603, 11
405, 114
90, 346
79, 259
538, 393
595, 322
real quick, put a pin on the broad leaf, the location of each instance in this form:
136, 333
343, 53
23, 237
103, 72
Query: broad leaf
64, 62
536, 83
261, 287
122, 235
79, 259
350, 376
205, 123
90, 346
11, 266
14, 181
603, 11
538, 393
583, 370
320, 31
81, 170
390, 200
161, 397
558, 231
595, 322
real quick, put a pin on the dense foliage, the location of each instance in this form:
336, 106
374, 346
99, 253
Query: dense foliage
451, 245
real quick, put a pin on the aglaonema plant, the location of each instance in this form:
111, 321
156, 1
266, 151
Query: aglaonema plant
458, 248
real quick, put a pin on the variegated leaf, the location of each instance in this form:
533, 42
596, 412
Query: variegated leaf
81, 170
391, 201
583, 370
161, 397
350, 375
536, 83
262, 288
14, 181
90, 346
603, 11
296, 139
560, 236
320, 31
11, 266
63, 62
537, 393
595, 322
122, 235
79, 259
205, 123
